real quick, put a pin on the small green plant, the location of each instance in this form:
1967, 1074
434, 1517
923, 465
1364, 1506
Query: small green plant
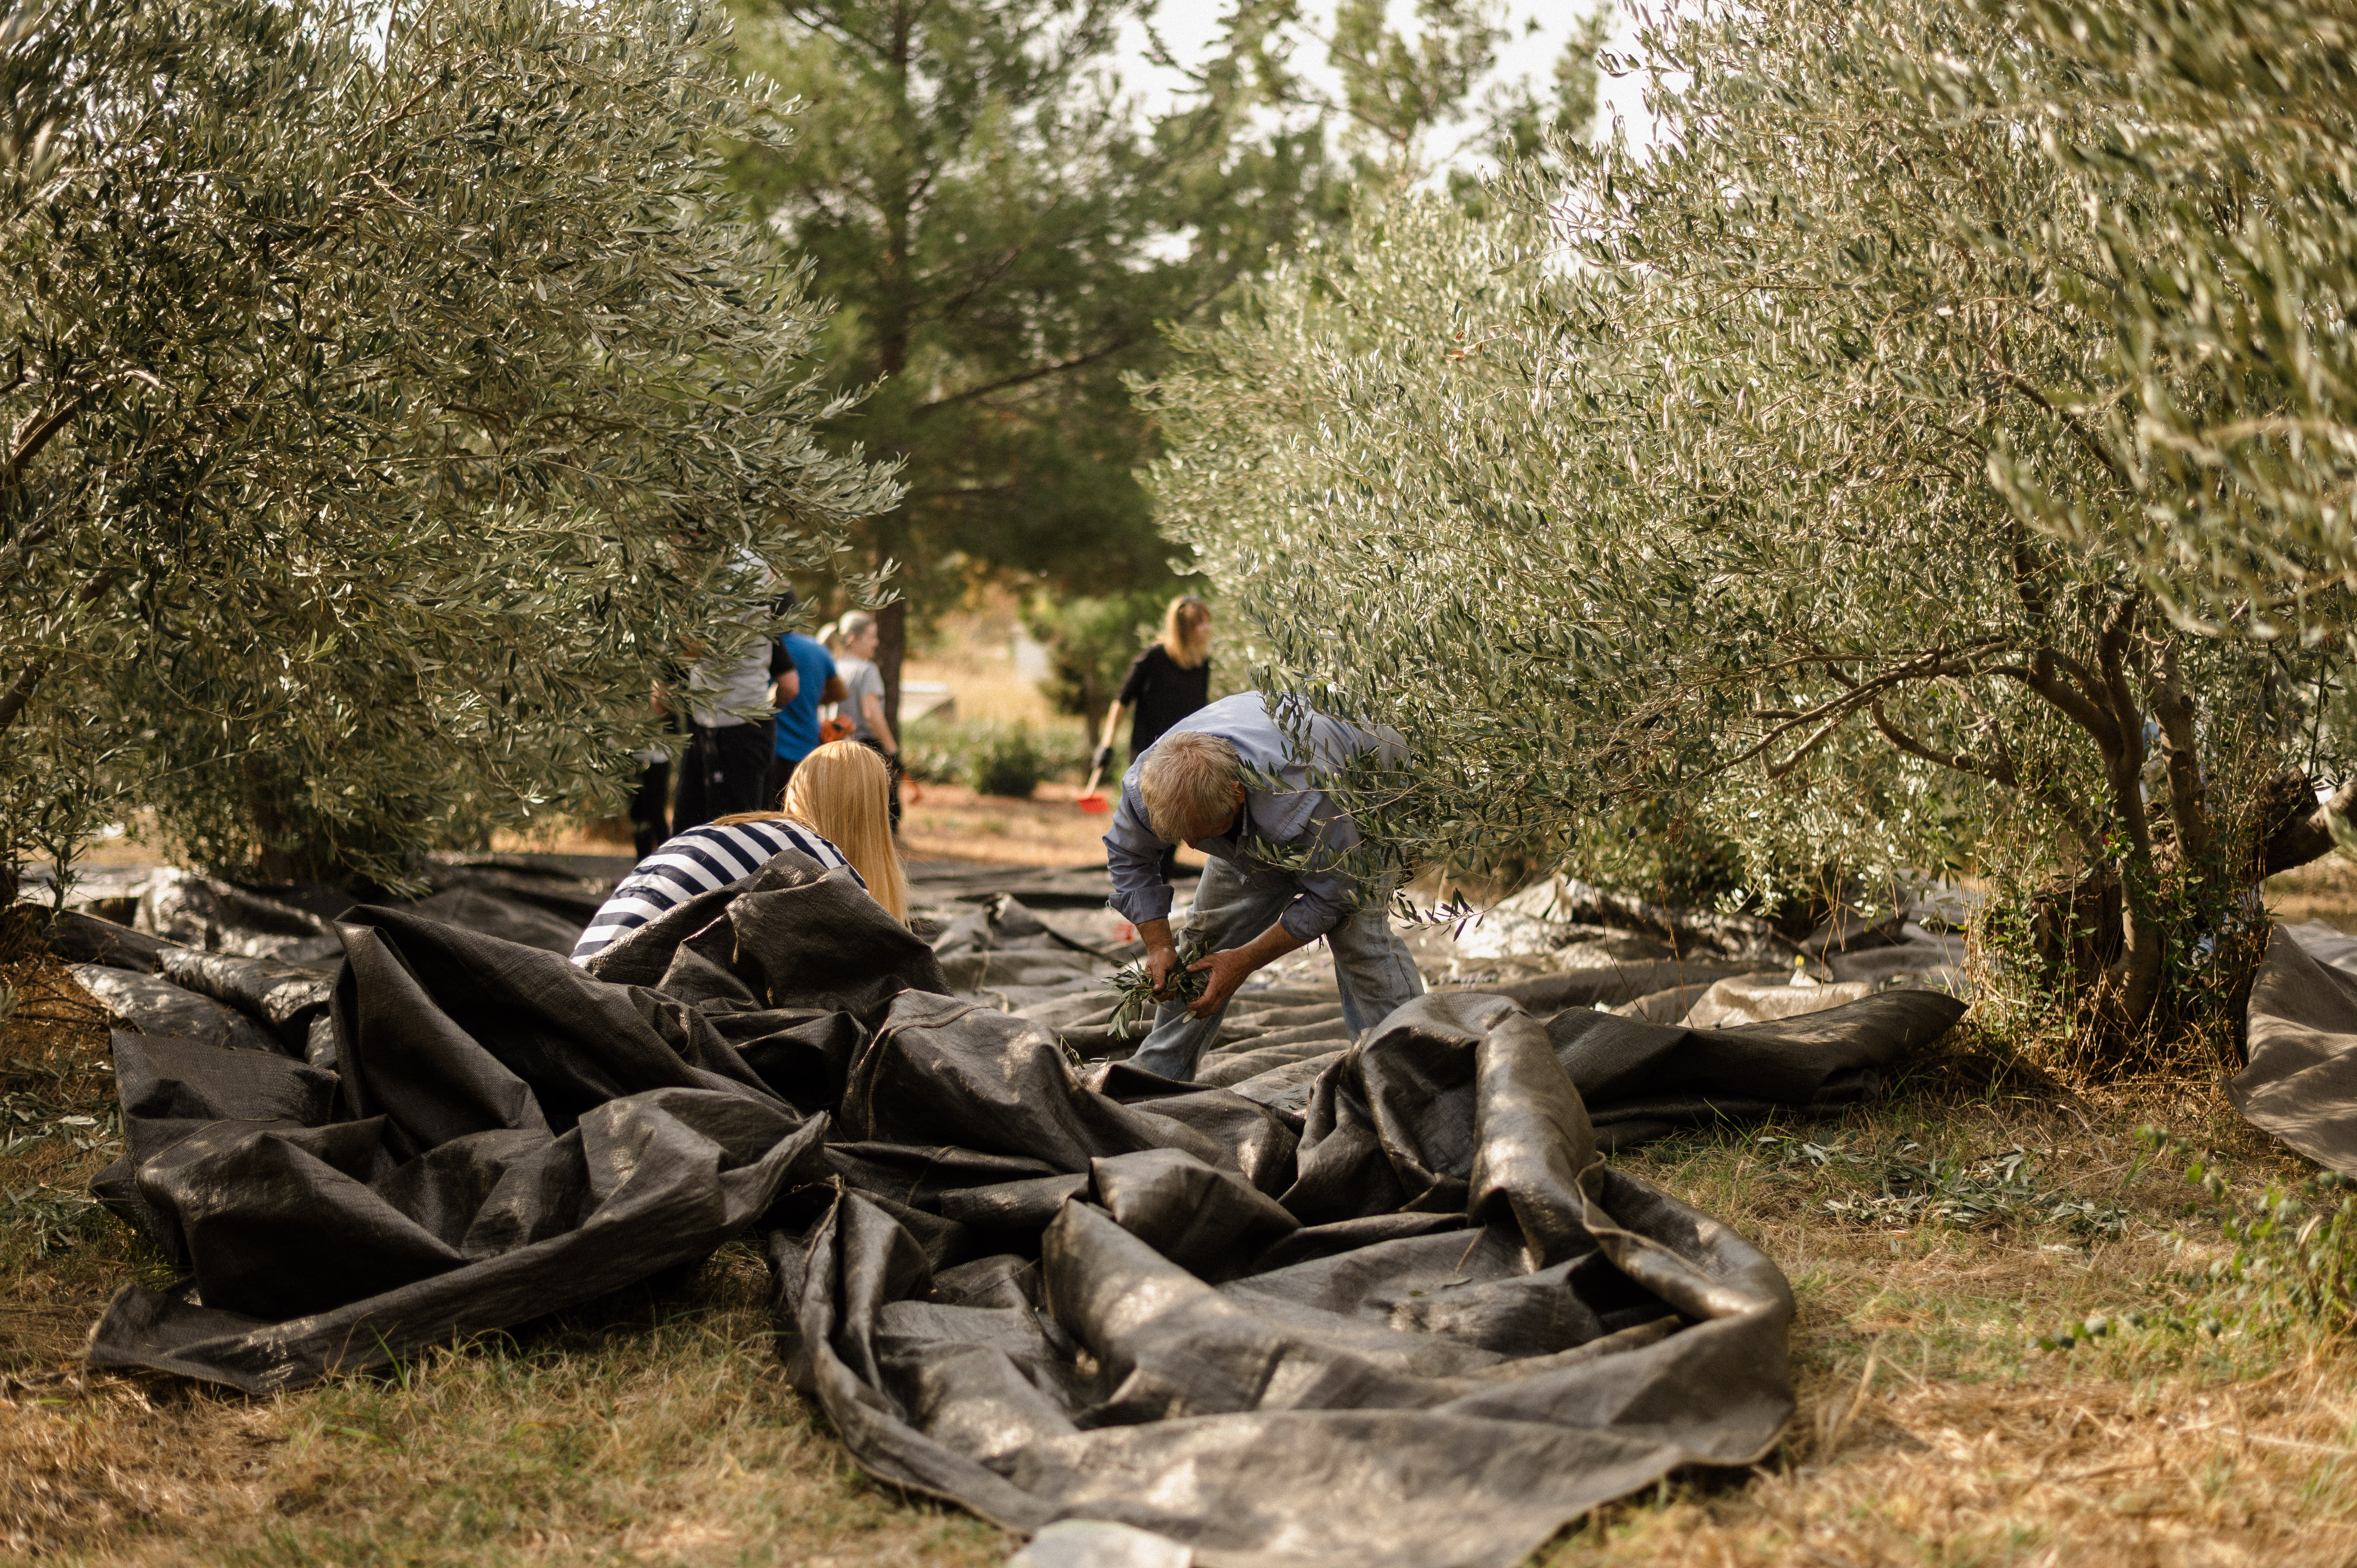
1917, 1187
2088, 1329
2295, 1248
48, 1220
1008, 763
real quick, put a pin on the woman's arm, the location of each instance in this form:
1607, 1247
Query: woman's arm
873, 706
1104, 758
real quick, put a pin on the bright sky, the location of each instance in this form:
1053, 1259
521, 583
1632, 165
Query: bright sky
1190, 27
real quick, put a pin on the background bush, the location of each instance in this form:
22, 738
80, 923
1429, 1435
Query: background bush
992, 756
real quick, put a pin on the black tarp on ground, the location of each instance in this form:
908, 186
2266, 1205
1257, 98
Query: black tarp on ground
2301, 1083
1411, 1321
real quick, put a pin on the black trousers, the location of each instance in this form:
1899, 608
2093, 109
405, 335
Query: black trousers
773, 792
891, 767
724, 772
650, 809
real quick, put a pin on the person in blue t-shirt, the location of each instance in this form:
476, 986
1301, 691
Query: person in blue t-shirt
799, 692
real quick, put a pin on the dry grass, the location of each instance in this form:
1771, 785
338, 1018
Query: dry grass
60, 1258
1933, 1430
657, 1427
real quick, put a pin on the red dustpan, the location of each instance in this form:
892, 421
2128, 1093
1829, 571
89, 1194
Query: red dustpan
1088, 799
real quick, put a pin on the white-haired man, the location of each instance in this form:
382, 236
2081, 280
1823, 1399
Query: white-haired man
1191, 787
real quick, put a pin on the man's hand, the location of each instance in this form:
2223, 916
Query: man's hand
1161, 953
1228, 968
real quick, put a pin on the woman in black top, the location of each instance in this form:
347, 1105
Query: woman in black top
1170, 680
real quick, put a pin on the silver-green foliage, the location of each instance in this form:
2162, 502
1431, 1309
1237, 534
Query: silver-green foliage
2215, 142
1750, 475
386, 404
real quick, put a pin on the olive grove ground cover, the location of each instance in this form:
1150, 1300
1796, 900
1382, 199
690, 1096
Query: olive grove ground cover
1932, 1239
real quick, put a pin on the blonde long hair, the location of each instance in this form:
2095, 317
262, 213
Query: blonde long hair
1186, 631
843, 792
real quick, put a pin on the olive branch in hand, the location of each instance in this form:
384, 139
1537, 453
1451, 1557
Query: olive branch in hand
1133, 982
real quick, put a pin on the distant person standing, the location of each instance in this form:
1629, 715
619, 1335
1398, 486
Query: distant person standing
651, 802
863, 699
799, 692
725, 766
1169, 681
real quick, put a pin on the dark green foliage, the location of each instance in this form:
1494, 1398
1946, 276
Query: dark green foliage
1006, 240
1010, 243
1008, 763
1090, 643
991, 757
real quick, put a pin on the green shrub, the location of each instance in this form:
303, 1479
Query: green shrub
1008, 763
992, 757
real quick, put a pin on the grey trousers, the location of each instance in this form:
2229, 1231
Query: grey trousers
1372, 967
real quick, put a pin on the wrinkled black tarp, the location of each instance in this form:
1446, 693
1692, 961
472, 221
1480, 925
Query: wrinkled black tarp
2301, 1083
1399, 1314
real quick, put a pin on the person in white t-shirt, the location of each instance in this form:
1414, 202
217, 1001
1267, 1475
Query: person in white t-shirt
732, 731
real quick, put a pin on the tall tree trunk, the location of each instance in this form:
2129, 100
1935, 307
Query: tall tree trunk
2134, 983
896, 322
891, 650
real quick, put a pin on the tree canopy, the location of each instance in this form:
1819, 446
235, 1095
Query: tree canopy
386, 404
1008, 234
1779, 474
1004, 234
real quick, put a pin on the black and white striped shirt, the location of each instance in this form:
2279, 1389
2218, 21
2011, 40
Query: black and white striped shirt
697, 861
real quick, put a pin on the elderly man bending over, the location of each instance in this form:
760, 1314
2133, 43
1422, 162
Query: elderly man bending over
1188, 788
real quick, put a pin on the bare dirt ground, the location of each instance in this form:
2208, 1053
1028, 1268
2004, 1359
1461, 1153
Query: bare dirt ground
1932, 1240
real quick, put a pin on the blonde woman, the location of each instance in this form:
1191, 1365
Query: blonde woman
835, 813
842, 790
1167, 683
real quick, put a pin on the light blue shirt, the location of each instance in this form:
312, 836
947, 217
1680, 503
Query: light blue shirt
1297, 818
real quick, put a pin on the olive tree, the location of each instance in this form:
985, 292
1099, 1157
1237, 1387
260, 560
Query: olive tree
386, 400
1766, 474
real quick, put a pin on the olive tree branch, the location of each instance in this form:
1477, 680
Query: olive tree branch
1997, 771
